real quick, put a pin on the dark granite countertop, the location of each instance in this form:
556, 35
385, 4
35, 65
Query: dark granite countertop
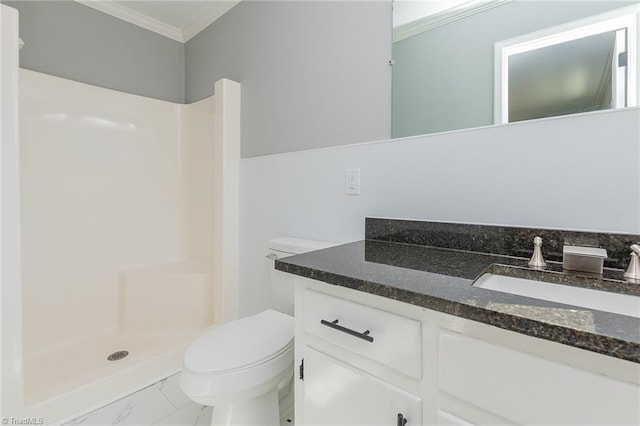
440, 279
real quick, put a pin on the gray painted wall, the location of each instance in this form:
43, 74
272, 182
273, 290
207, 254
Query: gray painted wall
443, 78
313, 74
73, 41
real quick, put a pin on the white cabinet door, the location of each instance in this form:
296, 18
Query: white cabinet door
528, 389
338, 394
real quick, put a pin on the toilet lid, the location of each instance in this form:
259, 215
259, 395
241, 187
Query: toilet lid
240, 343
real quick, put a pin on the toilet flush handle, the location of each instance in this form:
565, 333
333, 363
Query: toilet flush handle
272, 256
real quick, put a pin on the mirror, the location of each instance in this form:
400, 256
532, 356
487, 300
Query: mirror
451, 67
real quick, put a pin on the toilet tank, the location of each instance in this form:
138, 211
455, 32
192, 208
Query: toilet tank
282, 283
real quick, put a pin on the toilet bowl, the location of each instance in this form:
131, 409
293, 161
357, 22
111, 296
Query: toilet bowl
241, 366
237, 368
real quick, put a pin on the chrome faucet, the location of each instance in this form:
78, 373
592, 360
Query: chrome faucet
633, 271
537, 261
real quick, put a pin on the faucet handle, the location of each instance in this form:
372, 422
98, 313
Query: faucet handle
537, 261
632, 274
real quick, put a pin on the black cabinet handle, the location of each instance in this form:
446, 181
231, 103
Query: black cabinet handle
301, 369
402, 420
334, 324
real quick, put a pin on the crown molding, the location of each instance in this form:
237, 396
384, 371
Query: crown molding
445, 17
204, 20
133, 17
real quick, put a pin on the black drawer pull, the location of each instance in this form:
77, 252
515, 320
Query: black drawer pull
402, 420
334, 324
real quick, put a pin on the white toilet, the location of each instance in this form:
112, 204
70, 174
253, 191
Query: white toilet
243, 367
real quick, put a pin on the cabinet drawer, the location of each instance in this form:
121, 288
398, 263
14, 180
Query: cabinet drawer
393, 340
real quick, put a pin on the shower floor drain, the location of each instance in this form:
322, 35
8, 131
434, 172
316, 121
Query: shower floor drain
116, 356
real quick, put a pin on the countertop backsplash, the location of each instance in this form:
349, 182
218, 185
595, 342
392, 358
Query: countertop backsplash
502, 240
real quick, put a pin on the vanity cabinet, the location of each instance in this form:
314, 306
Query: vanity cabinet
439, 369
354, 359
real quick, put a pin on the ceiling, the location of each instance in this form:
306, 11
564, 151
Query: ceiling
406, 11
178, 20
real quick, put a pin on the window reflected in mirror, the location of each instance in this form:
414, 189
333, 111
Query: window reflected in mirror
560, 71
567, 78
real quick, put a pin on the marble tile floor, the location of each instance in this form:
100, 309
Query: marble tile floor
162, 403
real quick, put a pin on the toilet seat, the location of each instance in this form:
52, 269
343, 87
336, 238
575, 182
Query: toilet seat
240, 344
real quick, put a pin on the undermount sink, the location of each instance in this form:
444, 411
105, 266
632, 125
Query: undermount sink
616, 303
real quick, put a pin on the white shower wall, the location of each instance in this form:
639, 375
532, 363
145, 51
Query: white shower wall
113, 188
10, 292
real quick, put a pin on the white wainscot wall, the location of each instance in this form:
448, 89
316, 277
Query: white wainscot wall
578, 172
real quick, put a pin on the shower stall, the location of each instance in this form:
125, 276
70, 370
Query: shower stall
123, 243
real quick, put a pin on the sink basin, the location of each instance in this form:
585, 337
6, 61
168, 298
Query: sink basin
616, 303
